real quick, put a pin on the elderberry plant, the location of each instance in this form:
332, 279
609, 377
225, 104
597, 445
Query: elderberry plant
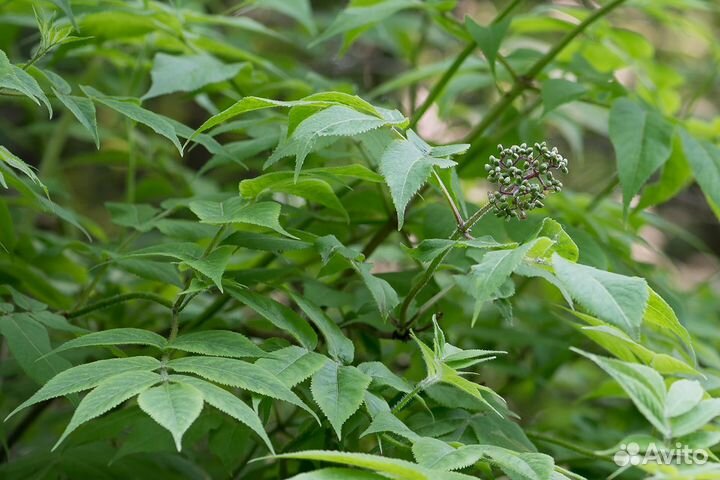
251, 239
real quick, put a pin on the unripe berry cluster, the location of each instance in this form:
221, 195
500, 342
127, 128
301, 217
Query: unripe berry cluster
523, 175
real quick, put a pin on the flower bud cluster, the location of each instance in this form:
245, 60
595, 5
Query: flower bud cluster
523, 175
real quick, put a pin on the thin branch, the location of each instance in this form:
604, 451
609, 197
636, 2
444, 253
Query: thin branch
114, 300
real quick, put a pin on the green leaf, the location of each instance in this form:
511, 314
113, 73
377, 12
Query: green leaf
563, 245
360, 15
558, 91
339, 346
387, 422
339, 391
643, 385
392, 467
141, 217
382, 376
265, 242
676, 175
406, 169
494, 269
228, 403
293, 364
661, 317
335, 473
212, 265
107, 395
29, 344
174, 406
84, 111
13, 161
335, 121
115, 336
704, 159
488, 38
617, 299
642, 140
157, 123
187, 73
84, 377
428, 249
15, 78
384, 295
311, 189
220, 343
279, 315
682, 397
64, 5
237, 210
698, 417
237, 373
300, 10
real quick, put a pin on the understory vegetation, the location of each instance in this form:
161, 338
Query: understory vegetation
407, 239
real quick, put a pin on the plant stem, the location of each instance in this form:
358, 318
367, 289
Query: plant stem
404, 325
407, 397
537, 67
441, 84
454, 67
179, 304
451, 202
566, 445
114, 300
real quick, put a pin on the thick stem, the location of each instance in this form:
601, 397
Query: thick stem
114, 300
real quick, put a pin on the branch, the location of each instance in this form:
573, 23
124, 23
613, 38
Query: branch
114, 300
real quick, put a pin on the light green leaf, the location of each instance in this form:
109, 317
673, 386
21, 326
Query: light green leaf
642, 140
676, 175
643, 385
682, 397
264, 242
406, 169
175, 406
157, 123
107, 395
237, 373
563, 245
84, 377
237, 210
704, 159
84, 111
558, 91
336, 473
617, 299
15, 78
428, 249
488, 38
220, 343
339, 391
279, 315
187, 73
228, 403
212, 265
115, 336
293, 364
392, 467
387, 422
311, 189
494, 269
661, 317
335, 121
698, 417
382, 376
339, 346
13, 161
